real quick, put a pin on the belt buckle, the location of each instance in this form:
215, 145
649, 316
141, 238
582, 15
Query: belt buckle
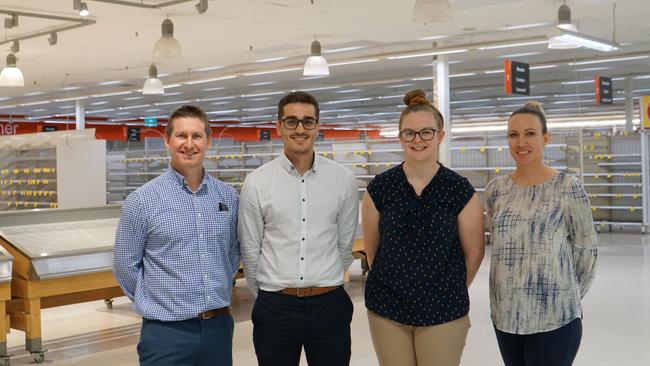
303, 291
205, 316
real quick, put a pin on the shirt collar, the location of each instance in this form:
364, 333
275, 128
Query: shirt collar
178, 178
288, 166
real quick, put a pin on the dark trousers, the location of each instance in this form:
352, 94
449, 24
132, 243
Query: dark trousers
557, 347
283, 324
193, 342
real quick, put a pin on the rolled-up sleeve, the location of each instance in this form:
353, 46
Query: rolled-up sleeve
251, 231
130, 240
235, 251
347, 221
581, 234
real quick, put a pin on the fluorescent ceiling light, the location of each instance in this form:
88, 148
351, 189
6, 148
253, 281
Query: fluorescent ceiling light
261, 94
513, 55
592, 69
203, 81
521, 44
215, 88
524, 26
348, 100
100, 103
174, 102
467, 91
567, 36
209, 68
355, 62
69, 99
272, 71
344, 49
262, 83
271, 59
348, 91
172, 94
462, 75
604, 60
542, 67
431, 38
399, 86
425, 54
470, 101
495, 71
577, 82
316, 64
68, 88
423, 78
227, 111
33, 93
322, 88
112, 82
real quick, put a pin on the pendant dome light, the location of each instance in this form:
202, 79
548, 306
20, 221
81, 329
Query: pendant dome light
11, 75
316, 64
167, 47
432, 11
563, 22
153, 85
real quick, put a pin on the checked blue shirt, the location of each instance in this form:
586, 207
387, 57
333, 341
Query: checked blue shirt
176, 252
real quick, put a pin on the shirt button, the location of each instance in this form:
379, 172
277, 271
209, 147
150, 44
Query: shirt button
198, 215
303, 181
302, 258
201, 236
208, 297
303, 200
301, 278
205, 276
203, 256
303, 220
303, 239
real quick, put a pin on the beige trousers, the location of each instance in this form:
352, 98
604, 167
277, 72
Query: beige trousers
403, 345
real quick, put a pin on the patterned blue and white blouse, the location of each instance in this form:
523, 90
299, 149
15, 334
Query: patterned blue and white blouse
543, 253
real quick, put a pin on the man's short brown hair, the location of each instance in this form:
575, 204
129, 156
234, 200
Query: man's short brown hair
188, 111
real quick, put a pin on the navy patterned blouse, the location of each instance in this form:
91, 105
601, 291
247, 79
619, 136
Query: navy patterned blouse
418, 276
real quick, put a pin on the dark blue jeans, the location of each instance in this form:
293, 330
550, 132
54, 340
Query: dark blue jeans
284, 324
192, 342
555, 348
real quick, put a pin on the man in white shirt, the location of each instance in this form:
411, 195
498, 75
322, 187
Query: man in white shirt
297, 220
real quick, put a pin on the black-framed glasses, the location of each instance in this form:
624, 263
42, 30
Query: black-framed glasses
426, 134
291, 123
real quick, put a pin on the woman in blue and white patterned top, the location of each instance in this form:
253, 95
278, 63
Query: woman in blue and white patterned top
543, 253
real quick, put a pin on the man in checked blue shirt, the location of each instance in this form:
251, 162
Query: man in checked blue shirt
176, 253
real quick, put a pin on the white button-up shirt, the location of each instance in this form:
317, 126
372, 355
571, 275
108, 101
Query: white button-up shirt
297, 231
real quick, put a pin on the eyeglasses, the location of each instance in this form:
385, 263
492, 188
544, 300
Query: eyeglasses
426, 134
291, 123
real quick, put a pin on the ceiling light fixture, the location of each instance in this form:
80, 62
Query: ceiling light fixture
153, 85
566, 36
316, 64
11, 75
202, 6
83, 10
563, 22
167, 47
11, 22
431, 11
15, 47
53, 39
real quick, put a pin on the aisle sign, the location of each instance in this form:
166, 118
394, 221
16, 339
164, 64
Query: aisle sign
50, 128
603, 90
150, 121
265, 135
517, 77
645, 112
133, 133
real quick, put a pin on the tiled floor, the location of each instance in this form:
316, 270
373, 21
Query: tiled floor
616, 324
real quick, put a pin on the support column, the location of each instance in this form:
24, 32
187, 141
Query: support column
629, 105
441, 96
80, 115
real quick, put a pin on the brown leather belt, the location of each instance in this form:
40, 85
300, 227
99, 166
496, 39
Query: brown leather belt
308, 291
214, 312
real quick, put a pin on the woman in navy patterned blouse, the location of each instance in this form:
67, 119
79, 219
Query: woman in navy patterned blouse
543, 251
423, 236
